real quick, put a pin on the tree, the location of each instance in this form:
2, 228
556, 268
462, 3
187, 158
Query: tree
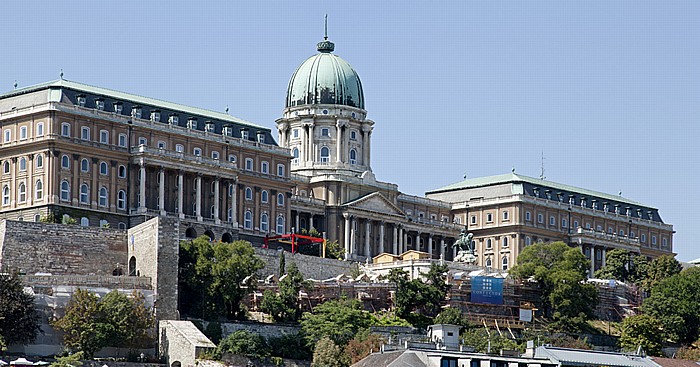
84, 324
559, 271
282, 265
419, 296
482, 339
211, 277
675, 302
624, 266
339, 320
243, 342
451, 315
362, 345
328, 354
131, 320
334, 250
71, 360
644, 331
659, 269
19, 321
290, 346
284, 306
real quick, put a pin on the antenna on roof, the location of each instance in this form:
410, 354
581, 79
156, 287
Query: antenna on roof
61, 75
619, 193
542, 176
512, 170
15, 84
465, 175
227, 109
325, 30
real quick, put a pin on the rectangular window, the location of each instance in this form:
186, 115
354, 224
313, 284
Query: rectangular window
505, 215
527, 216
280, 170
653, 240
22, 133
249, 164
161, 144
325, 132
118, 107
65, 129
40, 129
99, 104
473, 219
264, 167
540, 218
143, 141
104, 136
197, 152
179, 148
552, 221
122, 140
215, 155
85, 133
295, 133
244, 134
8, 136
489, 218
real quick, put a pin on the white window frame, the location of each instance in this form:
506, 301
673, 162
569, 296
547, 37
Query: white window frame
121, 200
6, 168
122, 140
22, 133
105, 171
65, 190
8, 136
104, 136
83, 166
505, 215
39, 129
280, 170
65, 129
6, 195
327, 157
264, 167
103, 200
353, 156
162, 145
22, 164
65, 161
22, 193
249, 164
179, 148
279, 224
38, 189
84, 194
248, 193
540, 218
143, 141
248, 220
264, 196
121, 171
85, 133
325, 132
215, 155
489, 218
280, 199
264, 222
197, 152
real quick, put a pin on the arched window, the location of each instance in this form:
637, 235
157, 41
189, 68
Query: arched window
84, 194
230, 190
122, 171
353, 156
65, 190
264, 196
280, 224
104, 168
528, 241
37, 217
85, 165
505, 241
39, 161
5, 195
6, 167
121, 200
212, 215
264, 223
65, 161
22, 192
325, 154
280, 200
504, 263
39, 190
295, 156
22, 164
248, 220
489, 244
103, 196
248, 193
84, 222
488, 263
229, 215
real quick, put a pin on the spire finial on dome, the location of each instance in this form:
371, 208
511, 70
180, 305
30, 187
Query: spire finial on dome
325, 46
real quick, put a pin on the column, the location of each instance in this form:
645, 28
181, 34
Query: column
366, 149
401, 249
442, 248
353, 237
602, 264
381, 237
198, 208
94, 190
304, 149
417, 246
430, 245
338, 142
180, 201
312, 150
161, 191
368, 250
454, 251
217, 220
592, 260
234, 204
296, 223
113, 185
75, 186
31, 185
142, 187
347, 235
396, 239
405, 241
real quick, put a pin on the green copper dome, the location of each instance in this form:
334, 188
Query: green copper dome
325, 78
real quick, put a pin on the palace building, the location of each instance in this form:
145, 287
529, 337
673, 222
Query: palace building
103, 157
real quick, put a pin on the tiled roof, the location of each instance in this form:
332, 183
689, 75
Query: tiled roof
668, 362
517, 178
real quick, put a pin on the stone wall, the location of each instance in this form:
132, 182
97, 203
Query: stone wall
153, 251
265, 330
311, 266
32, 247
181, 343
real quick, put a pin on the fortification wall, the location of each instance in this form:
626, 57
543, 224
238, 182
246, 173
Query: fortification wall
311, 266
61, 249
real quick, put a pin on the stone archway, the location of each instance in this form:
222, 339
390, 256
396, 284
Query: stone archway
226, 238
209, 234
132, 266
191, 233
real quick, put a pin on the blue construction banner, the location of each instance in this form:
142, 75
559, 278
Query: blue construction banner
487, 290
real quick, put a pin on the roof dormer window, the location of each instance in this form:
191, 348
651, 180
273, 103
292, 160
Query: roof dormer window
209, 126
118, 106
173, 119
136, 112
155, 115
261, 137
227, 130
81, 100
100, 104
244, 133
192, 123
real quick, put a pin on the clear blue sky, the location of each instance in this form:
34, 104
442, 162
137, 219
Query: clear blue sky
609, 91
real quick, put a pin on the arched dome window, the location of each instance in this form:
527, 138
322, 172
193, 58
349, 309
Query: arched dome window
353, 156
295, 156
325, 154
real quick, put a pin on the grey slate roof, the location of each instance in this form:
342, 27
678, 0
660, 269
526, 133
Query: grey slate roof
577, 357
518, 178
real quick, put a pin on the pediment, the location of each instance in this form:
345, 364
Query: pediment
375, 202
